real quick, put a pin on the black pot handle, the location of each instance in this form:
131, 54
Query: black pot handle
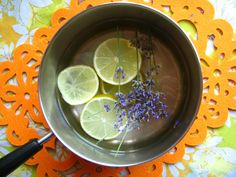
14, 159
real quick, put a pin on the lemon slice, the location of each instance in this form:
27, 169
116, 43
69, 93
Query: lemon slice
96, 121
114, 53
78, 84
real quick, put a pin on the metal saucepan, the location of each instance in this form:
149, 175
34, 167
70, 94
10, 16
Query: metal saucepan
179, 77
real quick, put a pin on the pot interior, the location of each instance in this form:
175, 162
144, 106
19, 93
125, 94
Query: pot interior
179, 78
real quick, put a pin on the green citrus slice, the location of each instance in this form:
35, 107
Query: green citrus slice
113, 89
116, 53
78, 84
98, 122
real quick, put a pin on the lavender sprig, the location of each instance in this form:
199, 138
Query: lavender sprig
140, 104
144, 44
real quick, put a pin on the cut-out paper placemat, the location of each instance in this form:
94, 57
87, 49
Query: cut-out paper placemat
19, 106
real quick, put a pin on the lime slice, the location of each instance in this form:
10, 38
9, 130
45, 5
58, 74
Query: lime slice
113, 89
96, 121
116, 53
78, 84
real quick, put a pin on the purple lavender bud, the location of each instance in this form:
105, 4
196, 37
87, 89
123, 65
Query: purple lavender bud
117, 72
157, 117
107, 107
163, 106
123, 113
123, 102
122, 74
150, 82
137, 106
165, 114
153, 113
177, 123
130, 112
130, 96
120, 70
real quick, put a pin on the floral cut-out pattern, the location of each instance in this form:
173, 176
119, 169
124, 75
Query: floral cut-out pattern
22, 117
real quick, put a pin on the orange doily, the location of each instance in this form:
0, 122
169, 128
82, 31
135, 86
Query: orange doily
20, 105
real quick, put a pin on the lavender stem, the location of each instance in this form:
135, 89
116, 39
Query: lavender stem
121, 142
118, 54
137, 56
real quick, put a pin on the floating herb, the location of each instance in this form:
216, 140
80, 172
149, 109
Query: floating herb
143, 102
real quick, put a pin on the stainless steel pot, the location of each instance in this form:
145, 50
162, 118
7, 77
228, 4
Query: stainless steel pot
142, 146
